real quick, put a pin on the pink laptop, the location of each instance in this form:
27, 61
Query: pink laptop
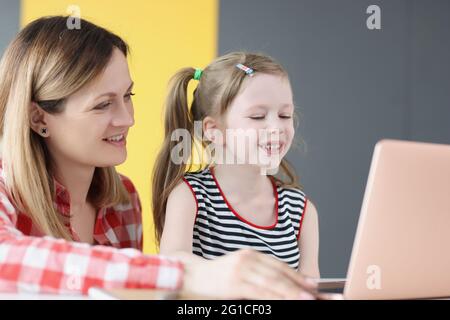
402, 244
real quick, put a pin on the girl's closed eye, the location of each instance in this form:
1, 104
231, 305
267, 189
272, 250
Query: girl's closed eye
257, 117
286, 116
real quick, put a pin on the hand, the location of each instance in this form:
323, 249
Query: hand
245, 274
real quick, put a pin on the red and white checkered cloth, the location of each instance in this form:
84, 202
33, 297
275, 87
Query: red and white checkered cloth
32, 262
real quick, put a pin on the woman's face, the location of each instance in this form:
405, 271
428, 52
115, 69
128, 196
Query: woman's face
92, 129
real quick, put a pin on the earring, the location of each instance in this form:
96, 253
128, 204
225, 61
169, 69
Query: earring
44, 132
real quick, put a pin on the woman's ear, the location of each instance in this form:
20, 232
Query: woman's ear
37, 120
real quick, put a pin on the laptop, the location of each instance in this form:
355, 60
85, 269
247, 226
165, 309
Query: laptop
402, 244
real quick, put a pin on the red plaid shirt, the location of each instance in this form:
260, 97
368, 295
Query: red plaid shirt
32, 262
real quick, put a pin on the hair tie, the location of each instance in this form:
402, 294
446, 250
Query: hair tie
198, 74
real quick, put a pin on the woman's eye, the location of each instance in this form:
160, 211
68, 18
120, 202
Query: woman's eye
103, 105
129, 95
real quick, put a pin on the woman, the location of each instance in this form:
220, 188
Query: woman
68, 221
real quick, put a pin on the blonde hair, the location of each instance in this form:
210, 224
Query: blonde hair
220, 83
45, 64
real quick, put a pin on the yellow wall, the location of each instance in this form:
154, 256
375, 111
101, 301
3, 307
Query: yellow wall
163, 36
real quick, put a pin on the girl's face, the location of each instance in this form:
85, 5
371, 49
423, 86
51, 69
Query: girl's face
264, 108
93, 127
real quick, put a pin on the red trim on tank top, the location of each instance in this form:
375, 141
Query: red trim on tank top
303, 218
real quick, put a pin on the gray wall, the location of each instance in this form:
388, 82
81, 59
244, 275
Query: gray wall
9, 21
353, 87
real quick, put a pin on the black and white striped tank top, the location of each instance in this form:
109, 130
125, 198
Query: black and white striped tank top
219, 229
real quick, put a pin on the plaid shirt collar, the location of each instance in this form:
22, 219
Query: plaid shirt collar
106, 220
62, 205
62, 198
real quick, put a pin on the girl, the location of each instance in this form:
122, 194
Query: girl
230, 205
68, 221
